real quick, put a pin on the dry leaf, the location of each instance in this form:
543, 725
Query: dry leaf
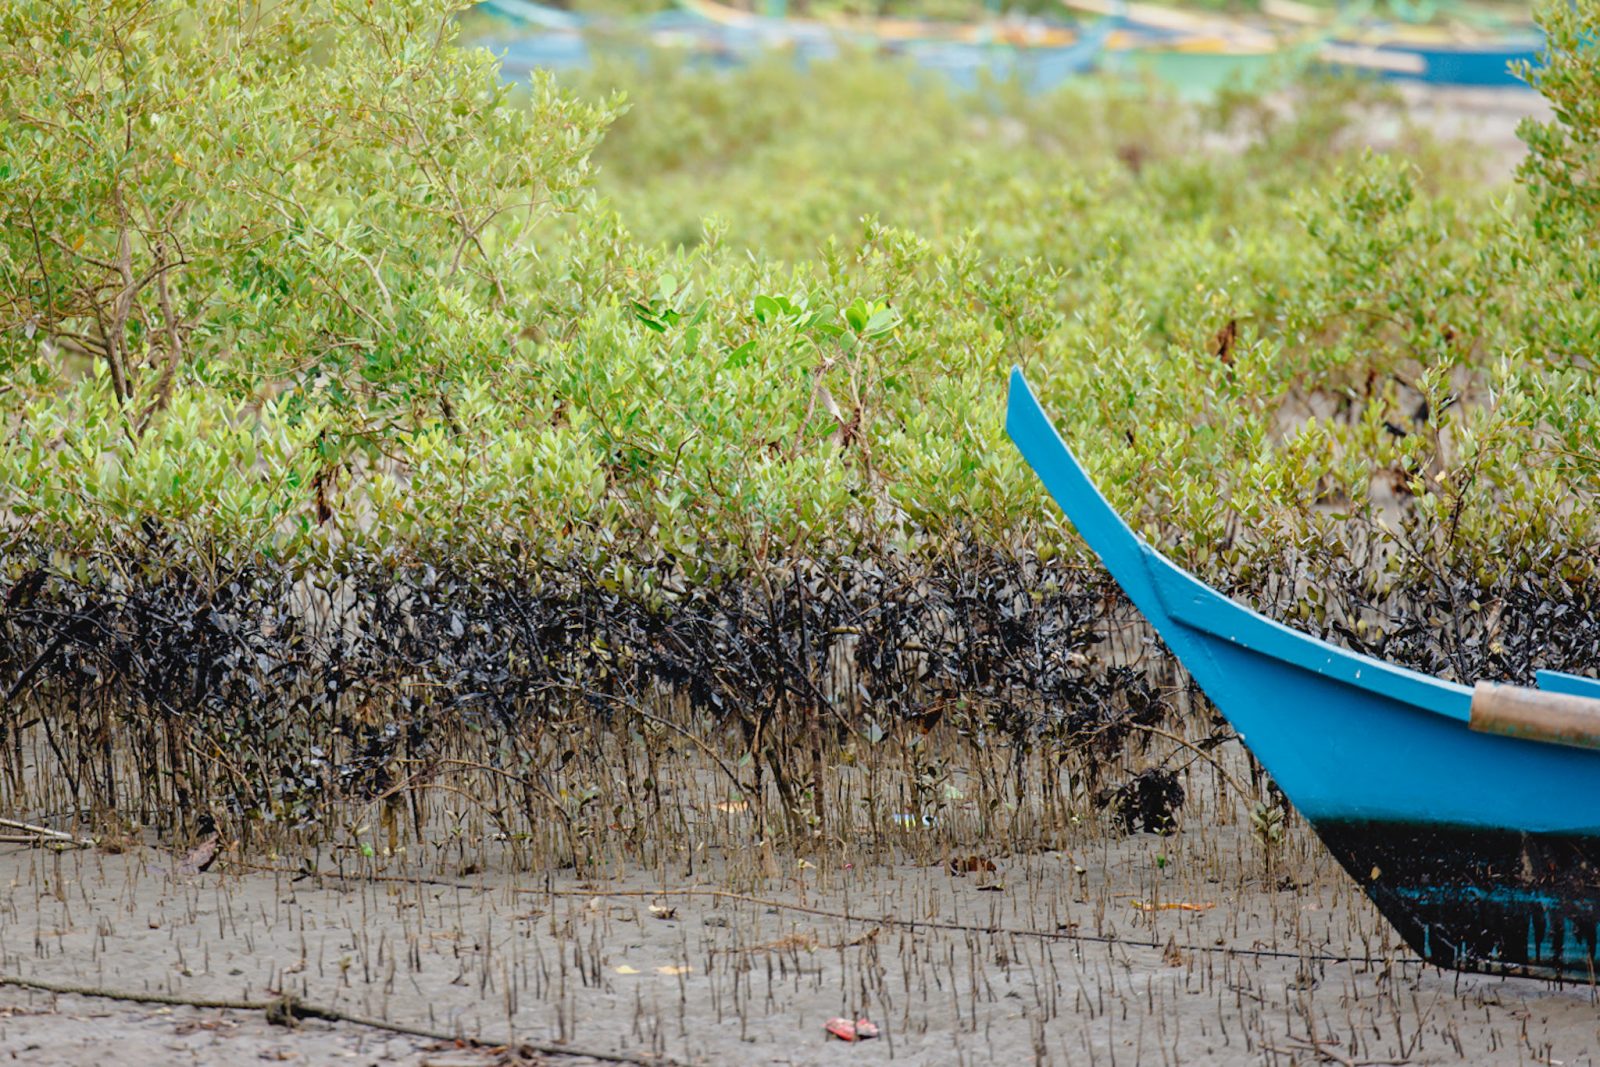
623, 968
197, 1025
673, 969
662, 911
1175, 905
1222, 343
829, 404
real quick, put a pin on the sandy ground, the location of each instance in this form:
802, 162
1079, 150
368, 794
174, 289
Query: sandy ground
1487, 119
1057, 958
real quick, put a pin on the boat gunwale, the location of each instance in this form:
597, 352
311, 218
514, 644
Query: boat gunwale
1170, 596
1571, 684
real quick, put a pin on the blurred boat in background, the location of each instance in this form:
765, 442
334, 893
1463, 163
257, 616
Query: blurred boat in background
1037, 68
1486, 64
530, 13
1203, 51
1195, 53
1036, 54
1449, 16
1198, 54
1198, 70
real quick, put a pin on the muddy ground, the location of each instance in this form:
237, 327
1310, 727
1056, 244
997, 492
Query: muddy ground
1199, 947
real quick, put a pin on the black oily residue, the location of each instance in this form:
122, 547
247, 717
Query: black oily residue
1149, 801
263, 689
269, 691
1501, 901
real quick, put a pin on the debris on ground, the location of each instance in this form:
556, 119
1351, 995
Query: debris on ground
845, 1030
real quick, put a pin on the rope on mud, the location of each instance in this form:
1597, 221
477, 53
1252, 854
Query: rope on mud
876, 920
286, 1010
972, 928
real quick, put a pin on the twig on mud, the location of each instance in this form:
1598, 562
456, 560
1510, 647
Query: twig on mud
1216, 765
45, 831
345, 876
806, 942
526, 781
1323, 1053
286, 1010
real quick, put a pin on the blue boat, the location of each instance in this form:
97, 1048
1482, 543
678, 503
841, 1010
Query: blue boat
1486, 64
966, 65
531, 13
1470, 816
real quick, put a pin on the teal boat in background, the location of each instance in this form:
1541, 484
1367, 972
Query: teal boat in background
1470, 816
531, 13
1200, 75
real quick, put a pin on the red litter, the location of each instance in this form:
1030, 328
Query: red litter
845, 1030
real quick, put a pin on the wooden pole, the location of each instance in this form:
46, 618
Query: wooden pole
1536, 715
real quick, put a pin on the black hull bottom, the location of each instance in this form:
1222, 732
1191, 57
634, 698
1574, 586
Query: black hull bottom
1497, 901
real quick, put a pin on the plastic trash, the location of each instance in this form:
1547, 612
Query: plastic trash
845, 1030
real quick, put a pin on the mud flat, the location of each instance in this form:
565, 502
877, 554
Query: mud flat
1182, 949
1486, 119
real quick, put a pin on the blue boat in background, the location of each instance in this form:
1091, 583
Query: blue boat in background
967, 65
710, 35
1180, 46
530, 13
1471, 817
1485, 64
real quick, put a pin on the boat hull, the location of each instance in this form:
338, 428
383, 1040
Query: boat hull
1467, 66
1481, 849
1472, 898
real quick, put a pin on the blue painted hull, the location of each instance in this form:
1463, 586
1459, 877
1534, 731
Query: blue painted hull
532, 13
1449, 831
1486, 66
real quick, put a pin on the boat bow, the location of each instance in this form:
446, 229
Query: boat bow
1483, 848
1172, 598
